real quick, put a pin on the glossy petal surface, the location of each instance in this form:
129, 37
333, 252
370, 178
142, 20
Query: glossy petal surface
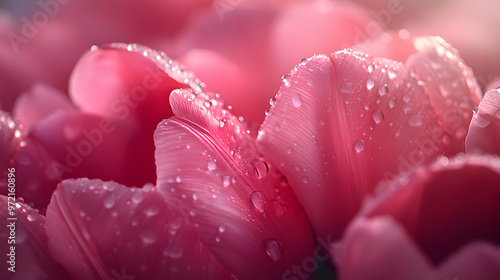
208, 166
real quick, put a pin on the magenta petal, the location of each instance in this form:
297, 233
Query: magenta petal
379, 248
103, 230
341, 124
484, 130
11, 134
38, 103
208, 167
24, 231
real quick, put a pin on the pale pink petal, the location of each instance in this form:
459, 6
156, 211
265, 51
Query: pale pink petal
475, 261
24, 242
379, 248
484, 130
208, 166
396, 45
343, 123
38, 103
305, 28
103, 230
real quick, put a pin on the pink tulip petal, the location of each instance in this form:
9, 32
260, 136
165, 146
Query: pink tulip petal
11, 135
450, 84
395, 45
446, 206
103, 230
336, 118
475, 261
38, 103
484, 130
379, 248
208, 166
23, 240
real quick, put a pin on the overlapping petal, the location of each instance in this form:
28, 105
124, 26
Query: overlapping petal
446, 219
484, 130
341, 124
24, 242
103, 230
208, 167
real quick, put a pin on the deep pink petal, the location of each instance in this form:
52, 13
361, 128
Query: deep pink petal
475, 261
208, 166
38, 103
103, 230
379, 248
445, 207
23, 241
484, 130
343, 123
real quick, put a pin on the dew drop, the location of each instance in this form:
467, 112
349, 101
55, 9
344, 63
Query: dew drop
285, 80
359, 145
222, 123
272, 101
289, 150
370, 83
258, 200
274, 249
347, 88
109, 201
82, 214
482, 120
226, 181
280, 208
151, 211
415, 120
392, 73
378, 116
32, 216
173, 251
222, 228
260, 168
383, 90
212, 165
371, 68
392, 102
305, 179
208, 104
296, 101
148, 236
475, 110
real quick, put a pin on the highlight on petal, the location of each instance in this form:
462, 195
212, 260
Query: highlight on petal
11, 134
103, 230
484, 130
341, 124
448, 211
24, 243
38, 103
208, 167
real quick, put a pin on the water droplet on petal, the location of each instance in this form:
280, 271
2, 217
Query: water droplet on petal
32, 216
212, 165
392, 102
222, 123
383, 90
109, 201
285, 80
272, 101
260, 167
226, 181
371, 68
289, 150
475, 110
305, 179
359, 145
274, 249
370, 83
258, 200
151, 211
173, 251
222, 228
415, 120
296, 101
148, 236
347, 88
378, 116
482, 120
